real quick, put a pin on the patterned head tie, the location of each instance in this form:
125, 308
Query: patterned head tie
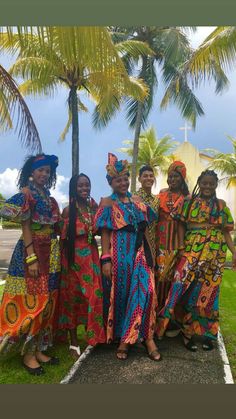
116, 167
179, 167
45, 160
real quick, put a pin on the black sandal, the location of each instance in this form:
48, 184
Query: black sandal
152, 354
207, 344
190, 345
33, 371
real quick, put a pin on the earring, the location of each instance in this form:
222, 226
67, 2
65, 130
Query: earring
31, 179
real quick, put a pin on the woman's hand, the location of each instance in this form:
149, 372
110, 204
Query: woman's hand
234, 260
107, 270
34, 269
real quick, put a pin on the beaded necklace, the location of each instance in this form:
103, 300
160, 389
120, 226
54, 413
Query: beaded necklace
130, 209
87, 221
43, 193
170, 202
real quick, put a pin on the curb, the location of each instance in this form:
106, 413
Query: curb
227, 370
69, 377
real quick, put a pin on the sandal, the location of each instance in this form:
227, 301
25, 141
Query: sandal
124, 352
33, 371
152, 354
190, 345
207, 345
76, 349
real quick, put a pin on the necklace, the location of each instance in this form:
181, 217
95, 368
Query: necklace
170, 201
130, 209
42, 193
87, 221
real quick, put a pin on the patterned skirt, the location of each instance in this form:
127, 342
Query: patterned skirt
27, 311
81, 297
194, 294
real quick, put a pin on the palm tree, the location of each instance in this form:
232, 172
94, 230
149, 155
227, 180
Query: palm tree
220, 47
170, 47
78, 58
152, 151
225, 163
11, 102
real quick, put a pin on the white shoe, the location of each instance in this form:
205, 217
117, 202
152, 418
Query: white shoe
76, 349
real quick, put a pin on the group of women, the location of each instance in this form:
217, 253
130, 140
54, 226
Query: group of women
160, 268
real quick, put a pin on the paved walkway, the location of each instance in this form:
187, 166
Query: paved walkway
178, 366
8, 239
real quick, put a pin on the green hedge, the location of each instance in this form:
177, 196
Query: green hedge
10, 225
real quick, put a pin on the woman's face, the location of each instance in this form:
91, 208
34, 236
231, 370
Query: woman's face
174, 180
147, 179
41, 175
83, 187
207, 185
120, 184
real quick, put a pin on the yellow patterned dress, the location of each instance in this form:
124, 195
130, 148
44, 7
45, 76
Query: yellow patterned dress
27, 311
195, 288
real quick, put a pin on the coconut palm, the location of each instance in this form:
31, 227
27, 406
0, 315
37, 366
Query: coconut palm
171, 49
225, 163
219, 46
78, 58
11, 103
152, 151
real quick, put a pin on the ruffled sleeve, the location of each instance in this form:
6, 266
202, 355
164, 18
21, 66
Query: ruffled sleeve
103, 218
227, 219
18, 208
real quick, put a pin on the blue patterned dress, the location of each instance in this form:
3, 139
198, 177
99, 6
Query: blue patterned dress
133, 302
28, 304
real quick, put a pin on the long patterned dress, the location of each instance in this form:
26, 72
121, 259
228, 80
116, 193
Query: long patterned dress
80, 300
132, 312
28, 304
167, 243
153, 202
198, 275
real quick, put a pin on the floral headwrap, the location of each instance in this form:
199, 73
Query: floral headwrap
45, 160
178, 166
116, 167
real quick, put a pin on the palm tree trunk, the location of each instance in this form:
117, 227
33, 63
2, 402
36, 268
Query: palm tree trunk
136, 147
75, 130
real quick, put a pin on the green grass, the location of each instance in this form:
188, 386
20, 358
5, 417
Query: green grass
228, 316
11, 371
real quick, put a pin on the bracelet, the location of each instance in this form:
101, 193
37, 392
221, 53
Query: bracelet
181, 248
104, 261
28, 245
30, 256
32, 261
107, 255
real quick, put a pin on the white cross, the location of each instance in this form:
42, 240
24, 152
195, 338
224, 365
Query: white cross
185, 129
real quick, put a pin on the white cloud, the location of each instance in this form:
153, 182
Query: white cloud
8, 186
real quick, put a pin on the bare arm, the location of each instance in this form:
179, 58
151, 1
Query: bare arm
27, 236
231, 247
105, 242
181, 234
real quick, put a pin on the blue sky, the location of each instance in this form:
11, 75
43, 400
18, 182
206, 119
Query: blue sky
50, 115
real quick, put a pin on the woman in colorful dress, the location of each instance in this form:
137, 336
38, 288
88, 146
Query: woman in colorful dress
128, 262
31, 288
166, 233
80, 301
196, 285
147, 179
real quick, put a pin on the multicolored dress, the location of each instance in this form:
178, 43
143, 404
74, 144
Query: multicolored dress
28, 304
167, 243
133, 303
153, 202
80, 300
198, 275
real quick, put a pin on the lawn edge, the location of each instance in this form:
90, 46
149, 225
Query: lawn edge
228, 377
73, 370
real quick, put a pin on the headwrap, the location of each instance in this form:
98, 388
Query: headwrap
178, 166
116, 167
45, 160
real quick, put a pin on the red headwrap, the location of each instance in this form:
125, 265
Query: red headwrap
178, 166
